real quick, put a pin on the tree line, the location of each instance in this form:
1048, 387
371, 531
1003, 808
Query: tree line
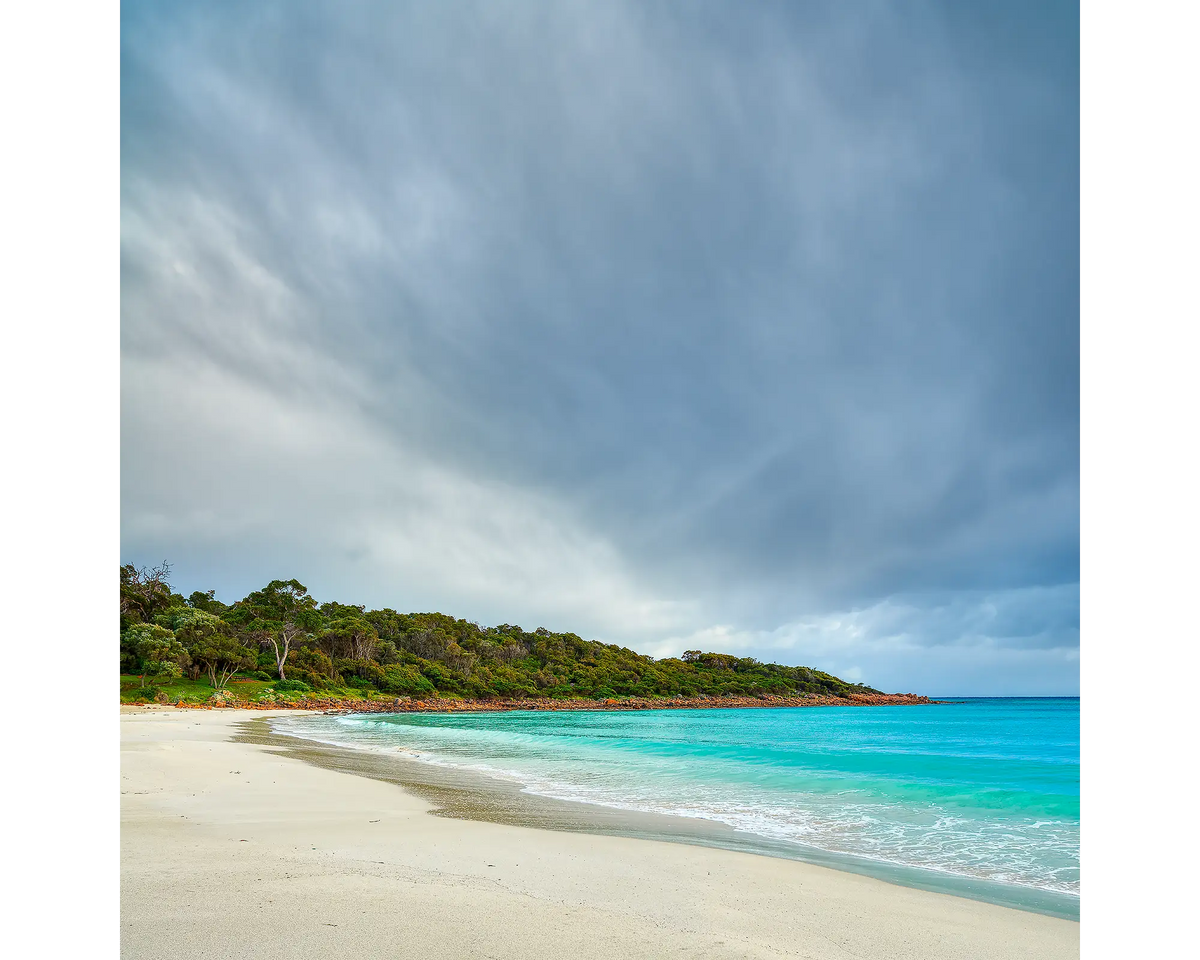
282, 634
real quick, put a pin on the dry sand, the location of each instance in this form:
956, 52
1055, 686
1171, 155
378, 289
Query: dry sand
229, 850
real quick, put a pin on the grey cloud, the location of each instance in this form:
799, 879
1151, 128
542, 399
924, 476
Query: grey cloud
1007, 643
774, 305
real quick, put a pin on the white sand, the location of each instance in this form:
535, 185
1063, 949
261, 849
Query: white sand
230, 851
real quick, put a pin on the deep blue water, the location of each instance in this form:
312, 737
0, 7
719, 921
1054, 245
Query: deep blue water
984, 790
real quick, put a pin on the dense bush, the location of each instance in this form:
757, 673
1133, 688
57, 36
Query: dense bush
404, 681
334, 645
312, 661
287, 686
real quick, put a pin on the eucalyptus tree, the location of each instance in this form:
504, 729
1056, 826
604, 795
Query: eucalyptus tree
154, 651
350, 636
280, 614
145, 591
207, 602
221, 655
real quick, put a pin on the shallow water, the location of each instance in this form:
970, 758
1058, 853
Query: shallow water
984, 792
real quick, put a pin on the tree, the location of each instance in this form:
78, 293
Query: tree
144, 592
314, 661
339, 611
221, 655
190, 625
351, 637
387, 623
156, 651
281, 614
179, 618
207, 602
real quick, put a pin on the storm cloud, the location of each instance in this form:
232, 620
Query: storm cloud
749, 327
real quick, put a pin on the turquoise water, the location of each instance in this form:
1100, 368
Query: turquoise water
986, 790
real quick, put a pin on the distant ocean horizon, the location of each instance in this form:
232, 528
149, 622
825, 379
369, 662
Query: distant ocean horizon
979, 796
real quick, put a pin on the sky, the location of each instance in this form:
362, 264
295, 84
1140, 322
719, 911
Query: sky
740, 327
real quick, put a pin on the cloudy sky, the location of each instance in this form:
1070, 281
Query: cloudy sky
747, 327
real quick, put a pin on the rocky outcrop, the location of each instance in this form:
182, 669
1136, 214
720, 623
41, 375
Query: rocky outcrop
447, 705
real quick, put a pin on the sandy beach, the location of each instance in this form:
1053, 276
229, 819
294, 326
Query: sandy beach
231, 850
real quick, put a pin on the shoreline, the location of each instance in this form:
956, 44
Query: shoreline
226, 700
231, 849
464, 792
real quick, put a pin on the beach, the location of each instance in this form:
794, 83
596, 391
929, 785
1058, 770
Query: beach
229, 849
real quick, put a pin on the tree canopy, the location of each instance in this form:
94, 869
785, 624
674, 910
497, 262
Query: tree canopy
281, 633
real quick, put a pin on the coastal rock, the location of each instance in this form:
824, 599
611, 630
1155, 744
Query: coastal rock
224, 699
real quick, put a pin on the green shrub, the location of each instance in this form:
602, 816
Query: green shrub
312, 660
293, 685
358, 673
403, 681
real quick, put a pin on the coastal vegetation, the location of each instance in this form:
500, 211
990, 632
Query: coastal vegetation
279, 643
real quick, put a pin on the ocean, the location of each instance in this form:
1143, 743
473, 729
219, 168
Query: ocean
978, 797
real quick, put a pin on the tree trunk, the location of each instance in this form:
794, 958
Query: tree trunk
281, 646
280, 658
